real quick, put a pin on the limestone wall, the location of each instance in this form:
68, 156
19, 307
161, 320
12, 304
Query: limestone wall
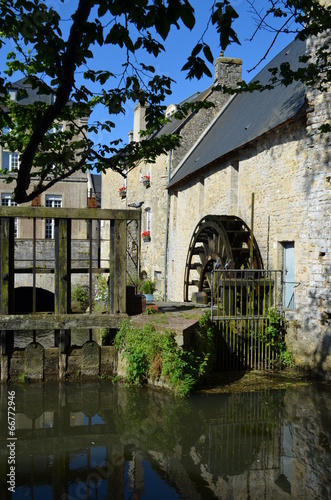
310, 332
45, 257
275, 173
152, 253
288, 170
154, 197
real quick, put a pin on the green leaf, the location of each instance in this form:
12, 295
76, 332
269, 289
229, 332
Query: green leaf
187, 15
196, 50
208, 54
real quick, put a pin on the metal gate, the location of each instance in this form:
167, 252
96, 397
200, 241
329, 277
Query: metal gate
243, 303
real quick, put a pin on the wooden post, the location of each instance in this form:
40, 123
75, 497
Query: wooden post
7, 266
6, 289
117, 266
62, 266
62, 275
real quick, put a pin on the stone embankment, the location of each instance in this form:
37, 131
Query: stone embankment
91, 360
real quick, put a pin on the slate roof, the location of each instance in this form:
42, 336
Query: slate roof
32, 94
248, 116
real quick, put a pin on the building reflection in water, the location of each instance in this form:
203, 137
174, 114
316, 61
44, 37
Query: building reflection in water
100, 441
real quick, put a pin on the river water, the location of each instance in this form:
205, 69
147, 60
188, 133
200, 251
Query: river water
105, 441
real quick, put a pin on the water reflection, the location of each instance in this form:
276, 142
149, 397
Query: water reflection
103, 441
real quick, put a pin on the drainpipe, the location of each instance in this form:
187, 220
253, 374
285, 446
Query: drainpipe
166, 233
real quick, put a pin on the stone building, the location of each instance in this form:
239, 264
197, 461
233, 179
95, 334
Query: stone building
69, 193
146, 185
268, 144
254, 152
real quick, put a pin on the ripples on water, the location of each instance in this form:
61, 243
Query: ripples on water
104, 441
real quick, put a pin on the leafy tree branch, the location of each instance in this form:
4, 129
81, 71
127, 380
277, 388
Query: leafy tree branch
55, 57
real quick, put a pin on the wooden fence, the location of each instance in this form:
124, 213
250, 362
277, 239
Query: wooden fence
61, 319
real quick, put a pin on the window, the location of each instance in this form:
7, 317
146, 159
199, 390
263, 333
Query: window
10, 160
13, 161
56, 129
53, 202
6, 201
157, 275
13, 94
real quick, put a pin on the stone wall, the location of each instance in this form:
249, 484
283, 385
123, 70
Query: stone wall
154, 197
152, 253
288, 170
310, 330
274, 171
73, 192
45, 256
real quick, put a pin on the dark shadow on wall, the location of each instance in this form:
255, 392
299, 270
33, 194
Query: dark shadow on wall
322, 353
23, 300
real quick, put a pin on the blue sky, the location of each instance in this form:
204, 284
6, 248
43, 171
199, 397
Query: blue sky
178, 47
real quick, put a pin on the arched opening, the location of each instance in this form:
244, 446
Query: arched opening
23, 300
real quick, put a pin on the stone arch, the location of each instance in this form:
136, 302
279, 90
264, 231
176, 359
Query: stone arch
23, 300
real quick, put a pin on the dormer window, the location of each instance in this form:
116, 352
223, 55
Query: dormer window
171, 109
13, 94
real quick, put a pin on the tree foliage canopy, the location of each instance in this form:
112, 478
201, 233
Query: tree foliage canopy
36, 48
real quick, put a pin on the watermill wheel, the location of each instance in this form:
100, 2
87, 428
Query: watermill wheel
225, 236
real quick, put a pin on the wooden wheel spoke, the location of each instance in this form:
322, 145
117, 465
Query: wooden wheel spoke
226, 237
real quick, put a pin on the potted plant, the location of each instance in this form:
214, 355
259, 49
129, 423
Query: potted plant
146, 236
148, 288
146, 180
122, 191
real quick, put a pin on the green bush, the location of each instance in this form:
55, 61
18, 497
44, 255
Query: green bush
274, 337
81, 294
154, 355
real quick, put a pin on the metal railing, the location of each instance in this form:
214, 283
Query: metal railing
242, 301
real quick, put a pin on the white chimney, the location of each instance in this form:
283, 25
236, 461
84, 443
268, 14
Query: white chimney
130, 134
139, 123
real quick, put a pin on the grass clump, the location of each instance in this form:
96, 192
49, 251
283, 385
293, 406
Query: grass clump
156, 356
81, 294
274, 337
